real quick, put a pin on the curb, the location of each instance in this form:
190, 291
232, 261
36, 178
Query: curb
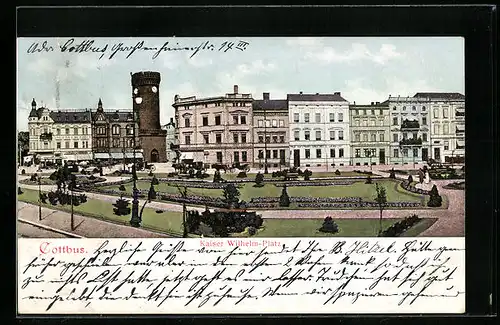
38, 225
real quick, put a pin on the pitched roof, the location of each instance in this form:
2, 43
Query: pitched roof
70, 116
270, 104
336, 97
117, 115
440, 95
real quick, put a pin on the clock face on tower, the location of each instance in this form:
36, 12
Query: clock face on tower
154, 89
136, 91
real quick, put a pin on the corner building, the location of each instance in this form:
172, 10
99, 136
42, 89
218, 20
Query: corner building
319, 130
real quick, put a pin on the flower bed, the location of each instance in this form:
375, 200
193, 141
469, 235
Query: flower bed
410, 188
199, 185
313, 183
356, 205
400, 227
302, 199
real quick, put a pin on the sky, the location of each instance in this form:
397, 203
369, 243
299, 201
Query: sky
363, 69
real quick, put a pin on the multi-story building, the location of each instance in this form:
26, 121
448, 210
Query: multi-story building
319, 130
447, 127
270, 132
410, 138
369, 125
172, 143
60, 136
215, 129
113, 135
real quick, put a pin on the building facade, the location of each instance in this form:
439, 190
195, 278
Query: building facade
319, 130
113, 135
171, 140
146, 104
369, 125
410, 130
216, 129
60, 136
447, 127
270, 132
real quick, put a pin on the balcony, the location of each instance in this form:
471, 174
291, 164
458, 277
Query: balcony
411, 142
407, 124
46, 136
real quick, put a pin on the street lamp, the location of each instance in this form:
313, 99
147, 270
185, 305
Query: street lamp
135, 220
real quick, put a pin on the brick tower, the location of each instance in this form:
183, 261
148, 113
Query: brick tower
146, 84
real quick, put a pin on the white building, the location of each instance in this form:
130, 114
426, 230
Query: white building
172, 142
447, 126
319, 130
59, 136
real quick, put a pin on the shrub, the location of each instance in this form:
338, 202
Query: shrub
307, 175
242, 175
410, 179
329, 226
193, 221
259, 180
96, 170
122, 188
392, 173
369, 180
155, 181
43, 198
159, 211
217, 177
337, 172
150, 173
34, 177
23, 172
284, 198
251, 230
92, 177
121, 207
19, 190
83, 198
435, 200
400, 227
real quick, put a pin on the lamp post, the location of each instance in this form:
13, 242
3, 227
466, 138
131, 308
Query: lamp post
266, 171
39, 198
135, 220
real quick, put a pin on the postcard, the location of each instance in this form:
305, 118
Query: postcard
241, 175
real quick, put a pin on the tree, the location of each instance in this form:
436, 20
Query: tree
410, 179
307, 175
392, 173
284, 198
435, 200
231, 196
23, 140
121, 207
217, 177
381, 200
329, 226
259, 179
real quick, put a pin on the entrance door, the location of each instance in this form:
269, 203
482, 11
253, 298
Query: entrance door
381, 156
154, 156
425, 154
296, 157
437, 154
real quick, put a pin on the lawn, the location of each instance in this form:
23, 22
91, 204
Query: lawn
419, 227
168, 221
367, 191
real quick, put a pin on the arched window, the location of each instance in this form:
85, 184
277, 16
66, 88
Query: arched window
154, 156
116, 129
130, 129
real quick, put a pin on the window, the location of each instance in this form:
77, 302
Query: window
282, 138
235, 119
436, 128
415, 152
58, 145
436, 113
332, 153
308, 153
46, 145
116, 143
446, 145
341, 117
115, 130
243, 138
446, 128
373, 112
357, 137
404, 108
318, 135
275, 138
236, 156
235, 137
424, 120
205, 138
373, 137
394, 121
332, 135
405, 135
381, 137
341, 135
445, 112
243, 120
281, 123
380, 112
318, 118
58, 131
274, 123
75, 144
357, 153
217, 105
405, 153
413, 108
367, 152
365, 137
268, 153
282, 155
130, 129
356, 112
332, 117
205, 120
318, 153
187, 139
66, 145
218, 138
268, 139
296, 117
396, 153
244, 156
395, 137
67, 130
217, 120
86, 144
275, 154
260, 123
307, 135
306, 117
394, 108
423, 108
261, 154
341, 152
219, 156
372, 122
424, 137
296, 135
261, 139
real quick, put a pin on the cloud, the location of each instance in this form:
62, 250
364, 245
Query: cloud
256, 67
305, 42
357, 52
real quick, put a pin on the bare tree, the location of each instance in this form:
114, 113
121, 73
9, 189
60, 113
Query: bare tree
381, 200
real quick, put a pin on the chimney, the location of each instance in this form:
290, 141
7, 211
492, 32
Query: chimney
378, 103
235, 89
300, 93
337, 93
317, 93
372, 103
171, 120
354, 102
265, 96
